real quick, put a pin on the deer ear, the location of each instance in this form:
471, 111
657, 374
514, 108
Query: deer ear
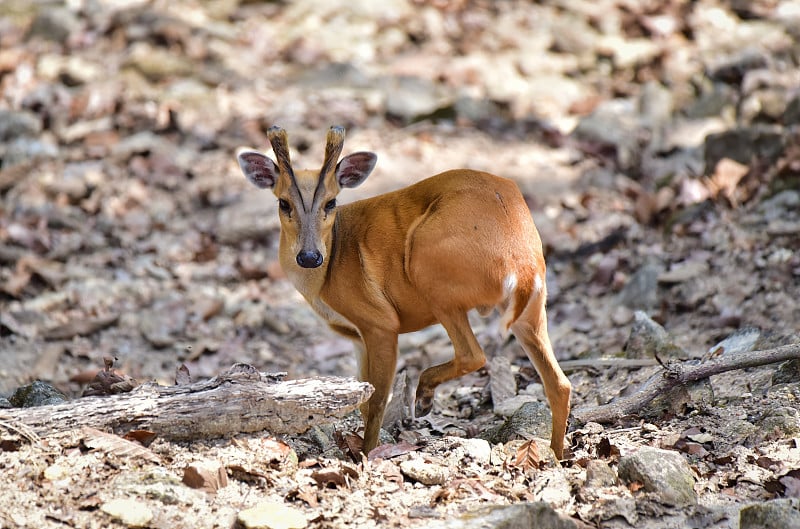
260, 170
354, 168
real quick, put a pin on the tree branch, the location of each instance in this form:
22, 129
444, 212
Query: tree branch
677, 374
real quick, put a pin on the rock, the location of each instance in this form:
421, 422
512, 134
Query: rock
532, 419
425, 472
255, 216
458, 449
684, 272
23, 149
743, 145
37, 393
664, 474
272, 515
164, 322
777, 206
599, 474
412, 98
791, 114
649, 339
787, 373
641, 290
741, 341
518, 516
129, 511
54, 23
18, 123
615, 123
782, 419
157, 63
775, 514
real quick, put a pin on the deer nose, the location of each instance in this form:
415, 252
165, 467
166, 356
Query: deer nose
309, 258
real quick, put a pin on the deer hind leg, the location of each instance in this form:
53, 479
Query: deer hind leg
531, 331
468, 357
377, 361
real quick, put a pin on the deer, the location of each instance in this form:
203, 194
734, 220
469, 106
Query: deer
399, 262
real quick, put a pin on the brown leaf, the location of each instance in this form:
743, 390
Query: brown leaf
727, 175
182, 376
527, 456
389, 451
305, 493
143, 437
209, 476
635, 486
79, 327
113, 444
329, 478
350, 443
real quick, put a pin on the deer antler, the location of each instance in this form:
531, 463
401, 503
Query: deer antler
333, 148
280, 144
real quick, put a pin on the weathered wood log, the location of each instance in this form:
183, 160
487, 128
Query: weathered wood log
241, 400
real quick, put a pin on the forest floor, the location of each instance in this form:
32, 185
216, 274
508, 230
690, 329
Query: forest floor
657, 144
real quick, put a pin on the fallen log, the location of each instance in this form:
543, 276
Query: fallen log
241, 400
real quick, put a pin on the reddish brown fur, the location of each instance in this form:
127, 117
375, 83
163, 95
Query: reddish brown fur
427, 253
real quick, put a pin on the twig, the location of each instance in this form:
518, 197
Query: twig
679, 374
594, 363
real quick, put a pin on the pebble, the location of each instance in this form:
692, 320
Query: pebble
272, 515
663, 473
129, 511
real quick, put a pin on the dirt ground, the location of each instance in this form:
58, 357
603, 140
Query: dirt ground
656, 143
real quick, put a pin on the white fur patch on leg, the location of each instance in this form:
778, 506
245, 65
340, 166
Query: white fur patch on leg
509, 287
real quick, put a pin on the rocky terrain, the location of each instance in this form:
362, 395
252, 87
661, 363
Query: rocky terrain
657, 144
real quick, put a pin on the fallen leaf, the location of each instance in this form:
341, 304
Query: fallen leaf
113, 444
182, 376
389, 451
209, 476
143, 437
79, 327
527, 456
305, 493
350, 443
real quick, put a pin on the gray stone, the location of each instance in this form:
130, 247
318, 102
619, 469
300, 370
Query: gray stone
787, 373
641, 290
599, 474
37, 393
664, 474
23, 149
409, 98
741, 341
649, 339
615, 123
54, 23
532, 419
775, 514
743, 145
14, 124
518, 516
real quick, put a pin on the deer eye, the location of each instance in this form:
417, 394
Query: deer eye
329, 205
284, 206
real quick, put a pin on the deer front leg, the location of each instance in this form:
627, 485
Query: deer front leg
468, 357
377, 363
